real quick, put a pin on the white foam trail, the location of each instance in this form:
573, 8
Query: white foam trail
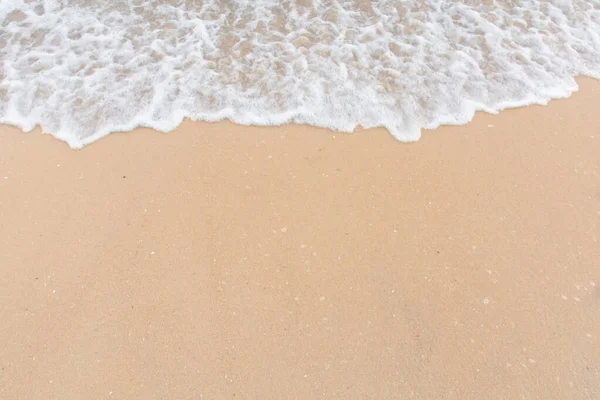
82, 69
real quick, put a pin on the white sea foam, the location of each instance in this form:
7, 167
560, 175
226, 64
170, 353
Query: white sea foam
82, 69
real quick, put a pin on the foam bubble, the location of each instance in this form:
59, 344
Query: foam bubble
81, 69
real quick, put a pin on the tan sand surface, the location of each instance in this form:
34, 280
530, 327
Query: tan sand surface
228, 262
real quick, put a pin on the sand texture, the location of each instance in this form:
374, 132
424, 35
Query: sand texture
228, 262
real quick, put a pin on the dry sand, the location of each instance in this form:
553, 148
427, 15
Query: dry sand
221, 262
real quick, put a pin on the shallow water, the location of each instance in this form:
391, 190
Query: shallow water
83, 69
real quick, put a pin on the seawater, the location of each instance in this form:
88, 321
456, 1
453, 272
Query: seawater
81, 69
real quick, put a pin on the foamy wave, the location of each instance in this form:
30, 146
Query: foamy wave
82, 69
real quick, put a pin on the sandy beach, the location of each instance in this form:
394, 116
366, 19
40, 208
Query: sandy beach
220, 261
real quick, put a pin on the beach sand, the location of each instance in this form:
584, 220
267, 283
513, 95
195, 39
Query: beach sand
221, 261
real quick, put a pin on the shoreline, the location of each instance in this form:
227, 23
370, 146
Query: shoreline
358, 128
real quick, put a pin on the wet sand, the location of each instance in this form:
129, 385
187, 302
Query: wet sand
228, 262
